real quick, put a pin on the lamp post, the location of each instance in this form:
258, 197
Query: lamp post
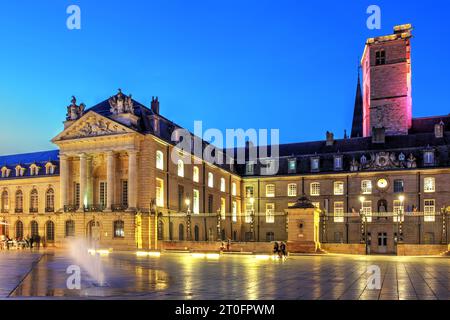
401, 198
218, 216
252, 218
188, 217
444, 213
364, 222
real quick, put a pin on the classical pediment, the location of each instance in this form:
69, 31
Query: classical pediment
92, 125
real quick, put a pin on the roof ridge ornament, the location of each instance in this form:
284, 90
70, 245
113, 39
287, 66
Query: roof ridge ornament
121, 103
74, 111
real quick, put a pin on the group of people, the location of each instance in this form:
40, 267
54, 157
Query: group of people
28, 242
280, 249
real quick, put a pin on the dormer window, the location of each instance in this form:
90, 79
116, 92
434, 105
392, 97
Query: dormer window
292, 166
5, 172
315, 164
20, 171
249, 168
338, 163
34, 170
428, 158
50, 168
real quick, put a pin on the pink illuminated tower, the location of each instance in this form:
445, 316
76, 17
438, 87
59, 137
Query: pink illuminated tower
386, 65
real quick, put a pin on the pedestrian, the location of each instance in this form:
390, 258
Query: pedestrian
228, 244
276, 248
283, 250
31, 242
222, 247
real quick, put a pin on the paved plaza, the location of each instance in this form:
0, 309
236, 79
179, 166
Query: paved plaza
183, 276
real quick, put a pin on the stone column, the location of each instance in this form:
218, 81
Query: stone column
110, 179
83, 181
64, 180
132, 180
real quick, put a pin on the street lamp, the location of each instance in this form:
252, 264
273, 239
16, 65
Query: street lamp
364, 222
188, 216
252, 218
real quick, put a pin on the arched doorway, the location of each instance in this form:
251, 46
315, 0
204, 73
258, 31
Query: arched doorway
181, 232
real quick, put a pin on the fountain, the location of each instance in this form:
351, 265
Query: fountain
89, 260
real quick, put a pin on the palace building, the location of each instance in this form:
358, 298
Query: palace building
113, 179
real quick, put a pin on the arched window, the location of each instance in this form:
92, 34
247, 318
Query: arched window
50, 231
5, 201
181, 232
34, 201
70, 228
195, 174
196, 233
19, 230
50, 200
180, 168
210, 180
119, 229
160, 230
159, 160
19, 201
34, 228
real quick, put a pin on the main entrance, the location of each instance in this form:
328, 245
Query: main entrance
382, 242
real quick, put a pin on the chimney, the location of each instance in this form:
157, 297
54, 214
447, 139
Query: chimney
439, 130
155, 105
330, 139
378, 135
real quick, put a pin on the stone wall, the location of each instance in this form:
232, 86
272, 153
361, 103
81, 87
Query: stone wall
421, 250
214, 246
344, 248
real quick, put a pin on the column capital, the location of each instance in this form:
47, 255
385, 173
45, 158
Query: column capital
63, 156
83, 155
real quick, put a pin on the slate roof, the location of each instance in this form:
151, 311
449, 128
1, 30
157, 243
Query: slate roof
27, 159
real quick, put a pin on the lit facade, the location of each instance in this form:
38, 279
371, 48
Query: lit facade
113, 177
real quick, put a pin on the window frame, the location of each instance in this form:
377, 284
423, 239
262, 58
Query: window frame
314, 189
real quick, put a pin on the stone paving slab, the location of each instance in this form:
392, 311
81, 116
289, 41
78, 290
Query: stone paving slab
182, 276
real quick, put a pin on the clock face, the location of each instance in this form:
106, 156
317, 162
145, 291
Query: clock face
382, 183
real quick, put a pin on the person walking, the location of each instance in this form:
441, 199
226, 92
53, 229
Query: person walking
38, 241
283, 250
276, 248
228, 245
31, 242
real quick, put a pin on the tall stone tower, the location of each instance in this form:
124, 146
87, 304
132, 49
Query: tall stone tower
386, 65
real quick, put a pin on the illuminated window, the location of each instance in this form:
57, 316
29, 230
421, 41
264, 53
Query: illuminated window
429, 210
249, 192
398, 186
429, 184
338, 188
222, 208
338, 163
338, 211
270, 190
159, 160
19, 201
314, 189
428, 158
195, 174
270, 212
159, 192
222, 184
366, 187
34, 201
50, 200
180, 168
234, 211
398, 209
292, 165
292, 189
196, 201
249, 208
233, 189
5, 201
315, 164
119, 229
367, 210
210, 180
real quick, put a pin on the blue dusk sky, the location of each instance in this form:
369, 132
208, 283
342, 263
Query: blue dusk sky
290, 65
